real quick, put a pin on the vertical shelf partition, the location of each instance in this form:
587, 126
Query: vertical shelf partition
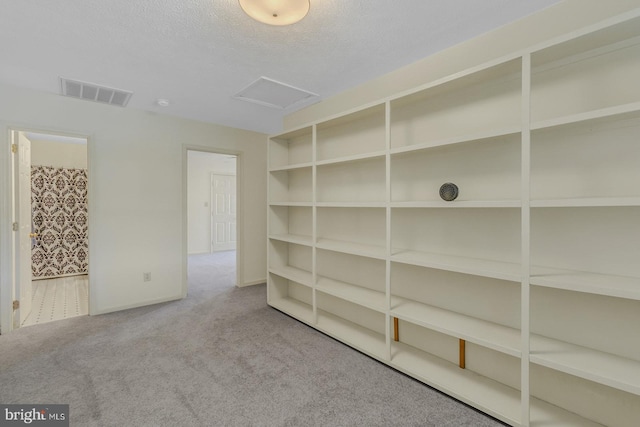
520, 297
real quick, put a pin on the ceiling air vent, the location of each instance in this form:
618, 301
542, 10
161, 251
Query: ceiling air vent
93, 92
271, 93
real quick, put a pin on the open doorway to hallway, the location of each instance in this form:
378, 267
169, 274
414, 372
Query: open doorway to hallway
51, 248
211, 217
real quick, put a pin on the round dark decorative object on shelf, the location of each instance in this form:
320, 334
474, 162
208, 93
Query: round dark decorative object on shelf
448, 191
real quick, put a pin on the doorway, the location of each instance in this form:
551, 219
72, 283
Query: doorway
212, 214
51, 248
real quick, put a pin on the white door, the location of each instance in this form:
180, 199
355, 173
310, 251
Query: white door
223, 212
23, 216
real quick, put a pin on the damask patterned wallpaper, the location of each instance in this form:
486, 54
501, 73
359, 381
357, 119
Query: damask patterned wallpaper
59, 215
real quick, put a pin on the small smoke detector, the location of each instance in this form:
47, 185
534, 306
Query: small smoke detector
94, 92
162, 102
272, 93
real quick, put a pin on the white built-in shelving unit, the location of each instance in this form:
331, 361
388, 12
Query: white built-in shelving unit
522, 296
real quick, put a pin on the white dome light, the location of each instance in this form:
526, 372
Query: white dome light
276, 12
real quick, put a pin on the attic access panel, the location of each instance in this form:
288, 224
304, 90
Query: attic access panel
271, 93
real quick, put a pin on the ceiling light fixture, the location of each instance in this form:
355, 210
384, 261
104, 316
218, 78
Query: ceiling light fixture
276, 12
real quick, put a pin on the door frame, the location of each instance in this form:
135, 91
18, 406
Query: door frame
212, 203
239, 209
22, 244
7, 200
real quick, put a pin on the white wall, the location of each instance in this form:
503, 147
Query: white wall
201, 165
58, 154
557, 20
136, 193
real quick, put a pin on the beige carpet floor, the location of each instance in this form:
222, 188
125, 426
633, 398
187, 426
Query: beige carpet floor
220, 357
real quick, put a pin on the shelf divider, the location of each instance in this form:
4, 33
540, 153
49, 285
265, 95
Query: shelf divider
459, 204
361, 338
294, 308
604, 368
475, 137
480, 267
588, 282
362, 249
586, 202
618, 111
487, 334
356, 294
293, 238
292, 273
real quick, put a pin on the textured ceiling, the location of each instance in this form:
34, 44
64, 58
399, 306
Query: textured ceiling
199, 53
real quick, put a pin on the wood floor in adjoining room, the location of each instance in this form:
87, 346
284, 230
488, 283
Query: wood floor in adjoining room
58, 298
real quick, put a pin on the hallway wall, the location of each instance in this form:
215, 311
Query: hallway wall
58, 154
135, 211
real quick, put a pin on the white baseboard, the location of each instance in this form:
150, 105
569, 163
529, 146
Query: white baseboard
253, 283
113, 309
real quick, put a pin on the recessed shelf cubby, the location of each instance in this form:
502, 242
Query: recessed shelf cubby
474, 308
475, 104
594, 162
291, 261
354, 278
291, 297
358, 133
357, 231
483, 170
593, 348
598, 240
433, 357
453, 240
291, 149
612, 332
359, 326
366, 175
291, 224
569, 393
589, 73
291, 186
